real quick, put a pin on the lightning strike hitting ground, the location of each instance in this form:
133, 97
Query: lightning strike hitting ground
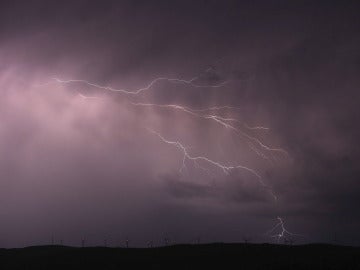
283, 232
211, 114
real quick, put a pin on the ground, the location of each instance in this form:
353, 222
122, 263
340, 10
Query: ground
221, 256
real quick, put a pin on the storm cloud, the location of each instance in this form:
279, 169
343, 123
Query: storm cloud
79, 162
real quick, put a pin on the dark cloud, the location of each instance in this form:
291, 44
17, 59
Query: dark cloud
77, 167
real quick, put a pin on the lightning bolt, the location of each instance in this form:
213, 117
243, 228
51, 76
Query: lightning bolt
283, 233
226, 169
221, 121
225, 122
190, 82
213, 114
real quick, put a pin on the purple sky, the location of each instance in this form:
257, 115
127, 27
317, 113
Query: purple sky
79, 161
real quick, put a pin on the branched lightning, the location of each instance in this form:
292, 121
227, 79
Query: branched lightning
223, 122
225, 169
213, 114
283, 233
190, 82
222, 167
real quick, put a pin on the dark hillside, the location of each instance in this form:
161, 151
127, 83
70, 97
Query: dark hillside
239, 256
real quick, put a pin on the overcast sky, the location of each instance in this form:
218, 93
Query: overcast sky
83, 162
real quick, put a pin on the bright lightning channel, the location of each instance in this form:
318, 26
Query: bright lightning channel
205, 113
283, 232
222, 121
224, 168
190, 82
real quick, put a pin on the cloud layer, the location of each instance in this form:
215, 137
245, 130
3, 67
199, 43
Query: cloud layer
76, 167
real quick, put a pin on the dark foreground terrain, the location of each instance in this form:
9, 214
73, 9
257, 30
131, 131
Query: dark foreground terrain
221, 256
